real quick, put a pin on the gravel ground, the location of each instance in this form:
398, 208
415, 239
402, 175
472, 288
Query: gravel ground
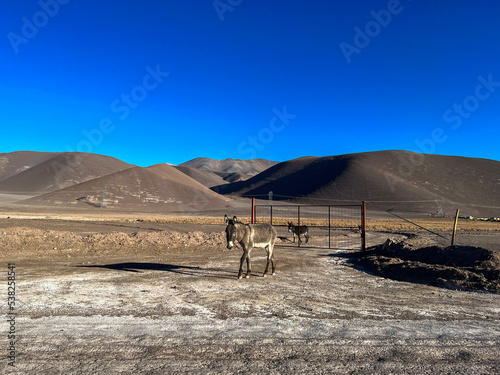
144, 298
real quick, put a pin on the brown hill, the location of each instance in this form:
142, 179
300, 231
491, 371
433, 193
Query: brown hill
159, 188
380, 177
13, 163
50, 172
234, 177
231, 169
209, 179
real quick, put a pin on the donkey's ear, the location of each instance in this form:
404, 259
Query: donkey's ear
226, 219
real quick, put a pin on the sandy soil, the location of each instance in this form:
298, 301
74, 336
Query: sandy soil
142, 297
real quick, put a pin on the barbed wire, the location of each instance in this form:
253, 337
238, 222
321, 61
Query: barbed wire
411, 222
333, 200
375, 204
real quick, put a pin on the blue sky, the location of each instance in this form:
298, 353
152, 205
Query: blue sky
167, 81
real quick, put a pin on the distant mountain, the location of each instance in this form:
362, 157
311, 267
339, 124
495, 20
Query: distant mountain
69, 180
159, 188
380, 176
235, 177
209, 179
31, 172
16, 162
231, 170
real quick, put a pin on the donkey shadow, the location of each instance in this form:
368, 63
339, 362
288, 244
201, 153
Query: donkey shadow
183, 270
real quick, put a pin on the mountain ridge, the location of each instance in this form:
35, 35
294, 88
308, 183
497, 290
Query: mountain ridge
55, 171
381, 176
231, 170
158, 187
393, 175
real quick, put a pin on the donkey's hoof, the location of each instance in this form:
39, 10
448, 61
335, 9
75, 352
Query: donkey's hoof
240, 277
247, 276
264, 275
274, 273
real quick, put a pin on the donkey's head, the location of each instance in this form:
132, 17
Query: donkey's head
230, 231
290, 226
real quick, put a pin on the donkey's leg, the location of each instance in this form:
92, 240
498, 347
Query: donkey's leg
243, 257
306, 235
249, 266
273, 262
268, 260
272, 256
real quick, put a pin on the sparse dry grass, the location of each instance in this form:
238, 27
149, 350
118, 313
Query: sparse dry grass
373, 224
182, 220
435, 224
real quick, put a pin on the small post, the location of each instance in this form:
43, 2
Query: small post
454, 228
363, 225
253, 210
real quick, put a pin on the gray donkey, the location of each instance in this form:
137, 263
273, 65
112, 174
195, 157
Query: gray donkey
298, 231
250, 236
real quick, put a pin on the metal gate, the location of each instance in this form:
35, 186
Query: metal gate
329, 226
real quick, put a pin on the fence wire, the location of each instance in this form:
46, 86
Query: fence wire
329, 226
432, 217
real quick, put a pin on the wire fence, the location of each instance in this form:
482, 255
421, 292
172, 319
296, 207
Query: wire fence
328, 226
337, 226
435, 218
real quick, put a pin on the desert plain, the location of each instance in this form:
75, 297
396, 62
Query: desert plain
113, 268
100, 294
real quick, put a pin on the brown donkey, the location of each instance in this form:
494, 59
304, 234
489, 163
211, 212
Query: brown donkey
250, 236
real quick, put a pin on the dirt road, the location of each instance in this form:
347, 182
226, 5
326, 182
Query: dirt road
126, 306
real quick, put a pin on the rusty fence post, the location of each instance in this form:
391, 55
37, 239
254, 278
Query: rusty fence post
363, 225
329, 227
298, 224
253, 211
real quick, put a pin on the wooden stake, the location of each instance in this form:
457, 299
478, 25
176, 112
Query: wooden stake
454, 229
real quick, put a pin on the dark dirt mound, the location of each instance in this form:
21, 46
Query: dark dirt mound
454, 267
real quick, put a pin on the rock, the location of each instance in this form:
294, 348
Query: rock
387, 244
